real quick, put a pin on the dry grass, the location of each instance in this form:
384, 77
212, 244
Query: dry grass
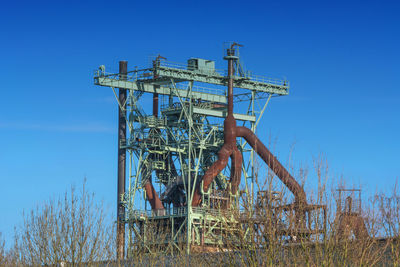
74, 229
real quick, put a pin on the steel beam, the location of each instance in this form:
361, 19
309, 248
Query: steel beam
238, 82
222, 114
162, 90
185, 131
123, 68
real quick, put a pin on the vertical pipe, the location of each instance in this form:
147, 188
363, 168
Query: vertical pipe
155, 103
229, 146
155, 95
123, 69
231, 52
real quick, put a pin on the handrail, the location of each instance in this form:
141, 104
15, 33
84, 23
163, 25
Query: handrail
249, 76
146, 74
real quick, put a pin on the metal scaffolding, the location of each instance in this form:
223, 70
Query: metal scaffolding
170, 150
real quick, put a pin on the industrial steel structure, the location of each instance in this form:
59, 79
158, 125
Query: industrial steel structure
349, 221
183, 192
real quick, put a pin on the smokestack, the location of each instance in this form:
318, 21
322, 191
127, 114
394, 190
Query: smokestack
123, 69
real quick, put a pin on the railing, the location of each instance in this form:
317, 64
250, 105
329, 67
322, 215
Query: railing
352, 206
203, 89
264, 79
286, 221
151, 120
349, 201
183, 66
181, 211
135, 75
173, 65
223, 73
203, 105
144, 74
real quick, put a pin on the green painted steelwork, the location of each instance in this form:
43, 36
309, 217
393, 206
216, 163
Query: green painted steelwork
112, 81
176, 147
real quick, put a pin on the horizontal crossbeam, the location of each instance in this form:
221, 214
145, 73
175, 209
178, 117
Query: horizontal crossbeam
162, 90
239, 82
222, 114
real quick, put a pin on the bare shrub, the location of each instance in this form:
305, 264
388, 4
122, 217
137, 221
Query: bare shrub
73, 229
2, 251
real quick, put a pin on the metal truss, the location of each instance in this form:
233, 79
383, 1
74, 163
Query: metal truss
174, 148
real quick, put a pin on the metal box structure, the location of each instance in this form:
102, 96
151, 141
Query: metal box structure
174, 149
349, 221
201, 65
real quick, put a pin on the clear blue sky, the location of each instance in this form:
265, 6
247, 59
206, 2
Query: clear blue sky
342, 58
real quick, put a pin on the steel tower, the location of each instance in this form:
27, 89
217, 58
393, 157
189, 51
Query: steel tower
176, 167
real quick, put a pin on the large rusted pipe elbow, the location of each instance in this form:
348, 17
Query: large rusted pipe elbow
212, 172
152, 196
273, 164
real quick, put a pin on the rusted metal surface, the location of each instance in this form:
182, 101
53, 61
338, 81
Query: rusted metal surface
155, 95
182, 129
236, 170
350, 225
123, 69
349, 221
152, 196
229, 149
273, 164
155, 105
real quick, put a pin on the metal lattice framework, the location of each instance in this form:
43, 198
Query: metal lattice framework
173, 147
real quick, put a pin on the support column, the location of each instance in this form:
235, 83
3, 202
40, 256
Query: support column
123, 69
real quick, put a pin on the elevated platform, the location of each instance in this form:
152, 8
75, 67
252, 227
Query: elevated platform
164, 78
171, 149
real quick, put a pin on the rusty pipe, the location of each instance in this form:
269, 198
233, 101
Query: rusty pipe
155, 104
230, 86
228, 148
151, 193
273, 164
236, 170
152, 196
155, 95
211, 173
123, 69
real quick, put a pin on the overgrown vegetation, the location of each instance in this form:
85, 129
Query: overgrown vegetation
267, 247
76, 229
72, 229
